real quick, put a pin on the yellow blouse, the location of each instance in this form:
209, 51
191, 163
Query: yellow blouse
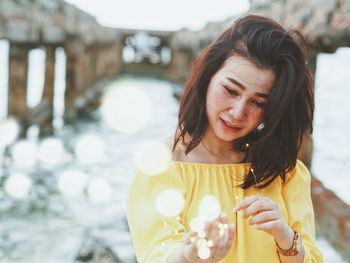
155, 237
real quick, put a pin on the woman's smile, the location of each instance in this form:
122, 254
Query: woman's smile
229, 127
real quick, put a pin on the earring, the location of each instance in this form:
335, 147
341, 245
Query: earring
260, 127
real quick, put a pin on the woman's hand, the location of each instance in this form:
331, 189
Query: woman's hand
221, 241
266, 216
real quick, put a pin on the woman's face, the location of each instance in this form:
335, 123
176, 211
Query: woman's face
236, 97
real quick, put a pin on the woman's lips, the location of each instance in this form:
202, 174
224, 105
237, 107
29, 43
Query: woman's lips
228, 126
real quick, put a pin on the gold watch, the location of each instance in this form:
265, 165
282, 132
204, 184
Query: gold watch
291, 251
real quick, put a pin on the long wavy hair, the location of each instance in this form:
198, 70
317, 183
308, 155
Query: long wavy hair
288, 114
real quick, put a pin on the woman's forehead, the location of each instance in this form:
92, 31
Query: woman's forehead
247, 73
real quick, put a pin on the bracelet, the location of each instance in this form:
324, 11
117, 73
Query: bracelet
291, 251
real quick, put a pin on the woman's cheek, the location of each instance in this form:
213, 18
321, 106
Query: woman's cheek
258, 116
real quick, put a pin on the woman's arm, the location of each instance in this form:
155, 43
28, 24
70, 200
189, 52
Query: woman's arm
154, 236
297, 195
266, 216
286, 242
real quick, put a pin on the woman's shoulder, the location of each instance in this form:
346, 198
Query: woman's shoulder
177, 152
299, 173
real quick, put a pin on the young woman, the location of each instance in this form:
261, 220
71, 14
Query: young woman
245, 108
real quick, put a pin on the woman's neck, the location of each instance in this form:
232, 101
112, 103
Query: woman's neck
220, 154
209, 150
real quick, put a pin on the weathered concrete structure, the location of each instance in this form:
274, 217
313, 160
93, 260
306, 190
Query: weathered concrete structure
93, 53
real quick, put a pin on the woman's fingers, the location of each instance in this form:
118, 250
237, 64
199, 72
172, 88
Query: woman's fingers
218, 238
190, 237
257, 207
263, 217
245, 203
225, 237
231, 234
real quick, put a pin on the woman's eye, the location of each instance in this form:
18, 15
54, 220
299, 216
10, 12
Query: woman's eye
258, 104
230, 91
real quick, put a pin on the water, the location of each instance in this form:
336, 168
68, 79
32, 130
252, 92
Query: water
331, 158
55, 227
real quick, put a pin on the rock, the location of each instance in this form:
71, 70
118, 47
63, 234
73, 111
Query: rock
95, 251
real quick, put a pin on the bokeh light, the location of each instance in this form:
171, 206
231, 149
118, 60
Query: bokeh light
18, 185
24, 154
153, 158
197, 224
170, 203
51, 151
126, 109
209, 208
204, 252
9, 131
72, 182
99, 191
89, 149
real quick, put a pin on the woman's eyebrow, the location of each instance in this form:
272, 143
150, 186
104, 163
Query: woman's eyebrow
241, 86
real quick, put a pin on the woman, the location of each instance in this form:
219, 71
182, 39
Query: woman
246, 106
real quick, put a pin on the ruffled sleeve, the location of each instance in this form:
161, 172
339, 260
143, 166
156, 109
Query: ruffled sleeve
297, 195
154, 236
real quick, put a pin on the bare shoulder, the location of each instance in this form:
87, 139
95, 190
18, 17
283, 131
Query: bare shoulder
178, 154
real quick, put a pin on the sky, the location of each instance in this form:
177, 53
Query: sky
161, 14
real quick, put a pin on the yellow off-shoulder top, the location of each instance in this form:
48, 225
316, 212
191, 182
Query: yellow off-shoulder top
155, 237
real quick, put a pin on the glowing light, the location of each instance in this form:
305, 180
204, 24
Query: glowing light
202, 234
18, 185
36, 76
72, 182
197, 224
99, 191
170, 203
24, 154
89, 149
210, 208
202, 242
126, 109
4, 80
153, 158
51, 151
204, 252
210, 243
222, 229
9, 131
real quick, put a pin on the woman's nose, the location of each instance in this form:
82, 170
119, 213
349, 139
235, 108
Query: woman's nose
238, 110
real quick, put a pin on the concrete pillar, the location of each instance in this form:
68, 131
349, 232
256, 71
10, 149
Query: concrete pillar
180, 65
48, 94
71, 81
18, 70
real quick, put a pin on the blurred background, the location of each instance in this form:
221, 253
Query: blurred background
84, 83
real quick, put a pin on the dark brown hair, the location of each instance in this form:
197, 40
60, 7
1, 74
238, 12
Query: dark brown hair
289, 110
